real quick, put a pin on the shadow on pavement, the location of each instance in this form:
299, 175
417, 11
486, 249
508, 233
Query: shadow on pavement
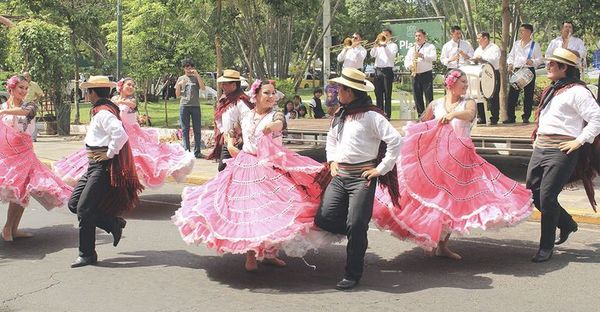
46, 240
156, 207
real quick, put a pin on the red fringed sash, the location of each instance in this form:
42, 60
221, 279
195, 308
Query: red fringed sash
124, 182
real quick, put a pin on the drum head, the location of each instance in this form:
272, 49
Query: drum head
488, 80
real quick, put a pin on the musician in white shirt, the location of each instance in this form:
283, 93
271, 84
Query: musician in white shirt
422, 54
456, 51
385, 58
569, 117
354, 55
524, 53
490, 53
566, 40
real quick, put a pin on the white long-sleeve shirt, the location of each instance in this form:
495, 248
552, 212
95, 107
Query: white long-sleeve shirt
385, 56
106, 130
232, 115
425, 63
574, 44
450, 49
353, 57
518, 54
566, 113
360, 139
490, 54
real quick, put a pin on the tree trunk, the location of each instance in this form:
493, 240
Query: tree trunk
503, 67
435, 8
470, 22
63, 111
217, 46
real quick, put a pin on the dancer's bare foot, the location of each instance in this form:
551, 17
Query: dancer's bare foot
274, 262
251, 265
444, 251
7, 235
20, 234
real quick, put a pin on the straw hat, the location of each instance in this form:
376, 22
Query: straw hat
354, 79
563, 56
229, 75
97, 82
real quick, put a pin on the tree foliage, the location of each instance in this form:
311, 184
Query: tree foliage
40, 48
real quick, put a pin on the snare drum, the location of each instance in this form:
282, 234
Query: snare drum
482, 81
521, 78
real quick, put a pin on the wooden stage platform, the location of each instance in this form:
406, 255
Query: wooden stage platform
512, 139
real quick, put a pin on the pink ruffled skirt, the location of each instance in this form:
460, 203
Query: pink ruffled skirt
154, 161
255, 204
23, 175
446, 187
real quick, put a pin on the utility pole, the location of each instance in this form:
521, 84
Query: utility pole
119, 40
326, 41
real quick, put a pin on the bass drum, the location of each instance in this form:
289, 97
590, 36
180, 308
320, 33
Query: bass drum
482, 81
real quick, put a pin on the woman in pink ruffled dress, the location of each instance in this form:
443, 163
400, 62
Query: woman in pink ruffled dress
445, 187
266, 195
154, 161
21, 173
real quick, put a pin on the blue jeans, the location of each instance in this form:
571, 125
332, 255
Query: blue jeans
184, 120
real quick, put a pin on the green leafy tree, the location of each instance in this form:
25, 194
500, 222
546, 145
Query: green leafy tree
40, 47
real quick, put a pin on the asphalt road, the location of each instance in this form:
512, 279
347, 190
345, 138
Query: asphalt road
153, 270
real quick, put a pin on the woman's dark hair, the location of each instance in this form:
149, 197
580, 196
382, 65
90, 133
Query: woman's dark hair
285, 109
317, 90
101, 92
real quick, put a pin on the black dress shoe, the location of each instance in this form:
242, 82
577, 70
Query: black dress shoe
542, 255
346, 284
525, 121
83, 261
564, 234
493, 123
508, 122
118, 230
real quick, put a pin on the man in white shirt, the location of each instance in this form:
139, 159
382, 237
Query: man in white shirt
385, 58
568, 117
354, 55
456, 51
97, 199
490, 53
356, 160
419, 60
566, 40
525, 53
228, 114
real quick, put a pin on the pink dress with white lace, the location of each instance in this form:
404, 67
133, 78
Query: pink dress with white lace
154, 161
445, 187
265, 196
21, 173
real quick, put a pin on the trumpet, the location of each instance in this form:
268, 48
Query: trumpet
381, 39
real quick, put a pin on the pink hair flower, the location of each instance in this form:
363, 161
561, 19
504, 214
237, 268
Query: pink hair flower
254, 90
451, 79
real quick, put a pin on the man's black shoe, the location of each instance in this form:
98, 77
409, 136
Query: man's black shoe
493, 123
542, 255
564, 234
83, 261
346, 284
508, 122
118, 230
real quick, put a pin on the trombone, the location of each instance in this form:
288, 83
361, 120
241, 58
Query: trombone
347, 43
380, 40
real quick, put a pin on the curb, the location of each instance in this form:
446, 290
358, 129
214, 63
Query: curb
578, 214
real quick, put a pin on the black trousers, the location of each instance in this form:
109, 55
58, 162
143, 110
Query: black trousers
224, 155
513, 98
494, 101
346, 208
384, 77
548, 171
423, 86
87, 194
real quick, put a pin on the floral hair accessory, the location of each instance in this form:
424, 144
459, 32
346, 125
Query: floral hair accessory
452, 77
12, 82
121, 82
254, 90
